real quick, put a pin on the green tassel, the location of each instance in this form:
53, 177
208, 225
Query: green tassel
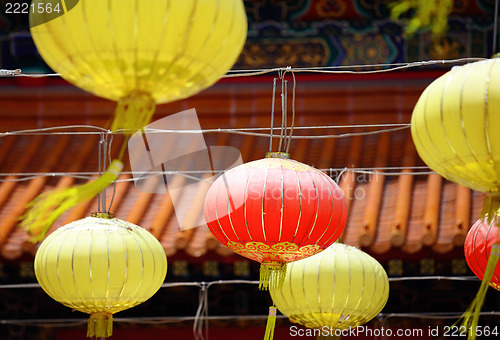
271, 323
133, 113
428, 14
100, 325
491, 207
44, 210
471, 315
272, 275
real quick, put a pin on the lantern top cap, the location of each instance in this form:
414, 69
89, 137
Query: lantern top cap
99, 214
283, 155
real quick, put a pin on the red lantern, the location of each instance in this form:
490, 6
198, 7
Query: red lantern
481, 240
275, 210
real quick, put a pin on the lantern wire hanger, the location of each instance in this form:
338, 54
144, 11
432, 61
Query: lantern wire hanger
104, 156
286, 133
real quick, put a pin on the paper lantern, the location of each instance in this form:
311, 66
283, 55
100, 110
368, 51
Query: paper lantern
339, 288
455, 128
141, 53
481, 239
138, 53
275, 210
100, 266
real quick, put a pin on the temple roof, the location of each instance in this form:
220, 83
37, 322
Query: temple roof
389, 213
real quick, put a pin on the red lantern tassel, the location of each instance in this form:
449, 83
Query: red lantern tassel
272, 275
471, 315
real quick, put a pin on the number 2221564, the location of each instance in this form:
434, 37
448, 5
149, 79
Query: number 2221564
25, 8
462, 331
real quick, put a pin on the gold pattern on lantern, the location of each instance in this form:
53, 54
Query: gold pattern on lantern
264, 253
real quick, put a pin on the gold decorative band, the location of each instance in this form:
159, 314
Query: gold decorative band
102, 214
277, 252
282, 155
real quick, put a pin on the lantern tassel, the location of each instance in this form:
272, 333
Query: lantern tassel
48, 206
271, 323
272, 275
100, 325
433, 14
491, 207
471, 315
133, 112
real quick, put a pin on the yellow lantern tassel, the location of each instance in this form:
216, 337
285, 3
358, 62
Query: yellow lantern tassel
133, 112
433, 14
271, 323
100, 325
47, 207
272, 274
491, 207
471, 315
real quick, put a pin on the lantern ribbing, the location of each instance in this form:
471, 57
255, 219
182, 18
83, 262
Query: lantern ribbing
100, 266
339, 288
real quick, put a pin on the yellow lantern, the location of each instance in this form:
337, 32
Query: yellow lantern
338, 288
138, 53
100, 266
455, 128
141, 52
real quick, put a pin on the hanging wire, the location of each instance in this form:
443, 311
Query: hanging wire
285, 133
272, 117
339, 176
99, 170
242, 131
281, 74
105, 160
10, 73
22, 177
256, 282
293, 114
114, 182
246, 133
202, 311
51, 130
341, 69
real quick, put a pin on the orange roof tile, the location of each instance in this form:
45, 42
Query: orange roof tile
406, 214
